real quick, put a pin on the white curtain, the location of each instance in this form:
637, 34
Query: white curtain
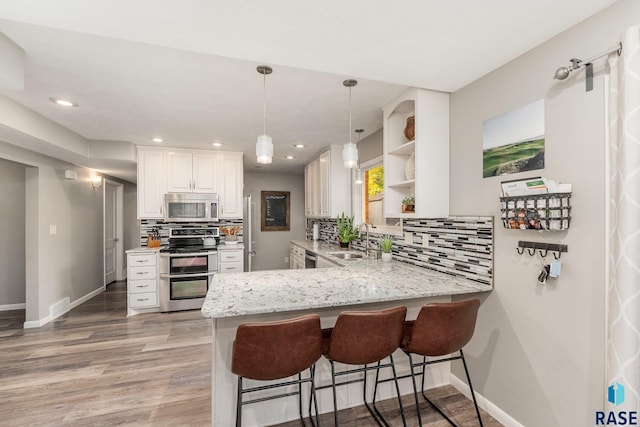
623, 290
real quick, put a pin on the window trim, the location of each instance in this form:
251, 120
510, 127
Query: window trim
358, 202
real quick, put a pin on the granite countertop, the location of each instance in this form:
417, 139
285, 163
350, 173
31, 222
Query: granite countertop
224, 246
355, 282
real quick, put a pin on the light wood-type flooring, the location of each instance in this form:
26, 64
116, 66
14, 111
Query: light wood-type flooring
94, 366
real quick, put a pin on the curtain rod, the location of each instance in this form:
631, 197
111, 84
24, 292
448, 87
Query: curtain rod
563, 72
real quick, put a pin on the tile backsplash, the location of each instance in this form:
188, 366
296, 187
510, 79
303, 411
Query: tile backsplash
457, 245
146, 225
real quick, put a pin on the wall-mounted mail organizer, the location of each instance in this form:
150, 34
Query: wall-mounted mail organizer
542, 248
551, 211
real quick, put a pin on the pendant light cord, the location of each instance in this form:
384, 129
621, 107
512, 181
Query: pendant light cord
264, 103
349, 115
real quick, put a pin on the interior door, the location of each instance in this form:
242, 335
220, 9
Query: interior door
110, 232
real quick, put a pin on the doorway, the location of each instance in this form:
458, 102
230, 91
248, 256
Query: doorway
113, 231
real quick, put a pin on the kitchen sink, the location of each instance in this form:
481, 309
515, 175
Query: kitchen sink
346, 255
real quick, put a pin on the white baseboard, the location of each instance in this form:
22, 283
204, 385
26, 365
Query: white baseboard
493, 410
47, 319
8, 307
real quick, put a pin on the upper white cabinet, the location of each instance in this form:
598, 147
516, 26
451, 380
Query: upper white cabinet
151, 183
170, 170
429, 149
327, 185
189, 172
231, 185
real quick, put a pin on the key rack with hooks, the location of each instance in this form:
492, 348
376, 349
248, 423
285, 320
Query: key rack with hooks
532, 247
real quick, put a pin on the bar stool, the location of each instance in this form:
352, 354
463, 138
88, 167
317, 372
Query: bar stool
440, 329
363, 338
269, 351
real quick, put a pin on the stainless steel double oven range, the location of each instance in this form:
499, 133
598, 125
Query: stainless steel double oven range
187, 267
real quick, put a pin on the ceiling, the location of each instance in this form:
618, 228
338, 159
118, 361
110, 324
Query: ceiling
186, 71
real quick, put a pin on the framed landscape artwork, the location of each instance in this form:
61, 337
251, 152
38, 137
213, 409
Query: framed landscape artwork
514, 142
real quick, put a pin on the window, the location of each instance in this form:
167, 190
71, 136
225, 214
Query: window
369, 199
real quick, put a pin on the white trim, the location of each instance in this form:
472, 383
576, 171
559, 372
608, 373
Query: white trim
8, 307
47, 319
493, 410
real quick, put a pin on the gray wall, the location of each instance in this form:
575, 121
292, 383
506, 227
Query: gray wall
67, 264
12, 233
538, 351
273, 246
370, 147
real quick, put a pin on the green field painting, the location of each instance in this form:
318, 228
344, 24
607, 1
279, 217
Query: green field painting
512, 158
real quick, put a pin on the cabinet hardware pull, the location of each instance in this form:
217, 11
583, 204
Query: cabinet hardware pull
142, 260
141, 273
142, 286
142, 299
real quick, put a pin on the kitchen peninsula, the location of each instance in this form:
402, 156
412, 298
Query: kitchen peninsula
365, 284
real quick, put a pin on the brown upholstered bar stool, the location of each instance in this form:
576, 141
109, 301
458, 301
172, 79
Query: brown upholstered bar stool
363, 338
440, 329
268, 351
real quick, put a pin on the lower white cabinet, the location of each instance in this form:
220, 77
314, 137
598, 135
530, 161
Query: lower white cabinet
142, 282
296, 257
231, 261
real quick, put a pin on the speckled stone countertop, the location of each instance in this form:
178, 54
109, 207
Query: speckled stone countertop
142, 249
354, 282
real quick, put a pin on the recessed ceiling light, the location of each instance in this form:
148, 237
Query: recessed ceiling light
299, 145
157, 139
289, 157
63, 102
217, 144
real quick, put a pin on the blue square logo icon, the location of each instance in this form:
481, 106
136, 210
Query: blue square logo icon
615, 394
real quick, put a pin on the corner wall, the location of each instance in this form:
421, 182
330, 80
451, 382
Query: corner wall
12, 235
273, 246
538, 350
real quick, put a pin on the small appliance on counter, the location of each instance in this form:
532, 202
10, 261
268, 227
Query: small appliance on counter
187, 267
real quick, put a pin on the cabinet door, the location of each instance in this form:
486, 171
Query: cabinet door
205, 173
322, 186
313, 189
231, 185
307, 193
151, 184
179, 172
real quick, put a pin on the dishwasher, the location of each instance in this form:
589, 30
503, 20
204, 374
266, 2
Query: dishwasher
310, 259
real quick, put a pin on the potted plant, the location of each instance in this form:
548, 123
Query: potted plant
346, 231
408, 204
385, 243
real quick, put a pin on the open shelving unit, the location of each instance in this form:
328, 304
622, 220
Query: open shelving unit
430, 147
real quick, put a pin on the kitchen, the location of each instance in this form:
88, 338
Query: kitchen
519, 322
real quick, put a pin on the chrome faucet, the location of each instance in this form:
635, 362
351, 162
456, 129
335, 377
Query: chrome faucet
367, 246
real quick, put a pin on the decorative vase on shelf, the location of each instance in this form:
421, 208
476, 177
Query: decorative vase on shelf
410, 167
410, 128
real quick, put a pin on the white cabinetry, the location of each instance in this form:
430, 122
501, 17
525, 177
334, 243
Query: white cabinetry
430, 148
231, 185
327, 185
231, 261
151, 183
189, 172
296, 257
142, 282
170, 170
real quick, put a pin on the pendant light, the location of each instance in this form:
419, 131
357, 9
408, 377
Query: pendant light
264, 146
359, 179
350, 150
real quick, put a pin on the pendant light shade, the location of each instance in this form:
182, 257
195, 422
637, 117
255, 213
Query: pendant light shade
350, 150
264, 145
350, 155
264, 149
359, 178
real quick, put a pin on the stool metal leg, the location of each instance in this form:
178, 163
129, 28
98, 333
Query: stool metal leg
239, 404
395, 379
473, 395
415, 389
335, 400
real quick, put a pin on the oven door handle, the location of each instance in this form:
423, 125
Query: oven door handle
178, 276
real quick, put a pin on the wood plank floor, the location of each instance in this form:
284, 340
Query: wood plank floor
94, 366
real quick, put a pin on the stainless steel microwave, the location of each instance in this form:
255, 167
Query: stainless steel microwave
190, 207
